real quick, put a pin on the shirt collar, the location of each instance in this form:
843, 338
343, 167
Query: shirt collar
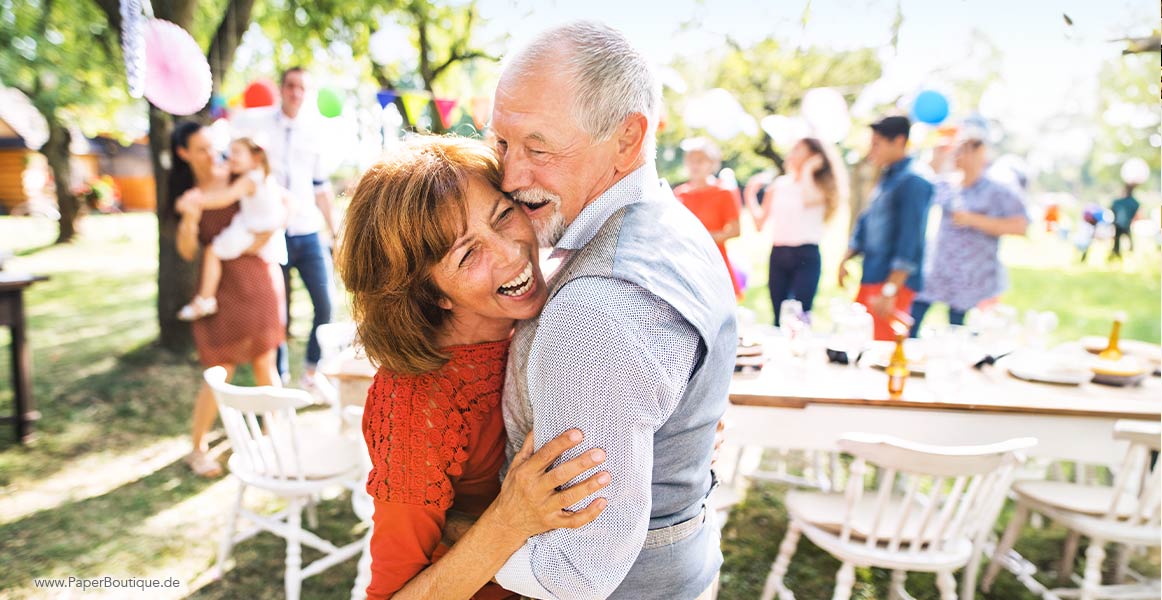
632, 188
897, 166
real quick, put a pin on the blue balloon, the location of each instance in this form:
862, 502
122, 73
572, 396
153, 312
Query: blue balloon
930, 107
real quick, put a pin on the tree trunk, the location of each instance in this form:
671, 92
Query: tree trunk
56, 150
176, 278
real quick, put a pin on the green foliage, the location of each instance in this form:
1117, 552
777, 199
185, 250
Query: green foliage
1127, 117
65, 58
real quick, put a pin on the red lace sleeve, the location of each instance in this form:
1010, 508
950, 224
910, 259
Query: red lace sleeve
415, 437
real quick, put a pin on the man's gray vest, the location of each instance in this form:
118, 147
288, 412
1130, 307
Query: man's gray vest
659, 245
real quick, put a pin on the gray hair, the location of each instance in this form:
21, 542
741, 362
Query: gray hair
611, 78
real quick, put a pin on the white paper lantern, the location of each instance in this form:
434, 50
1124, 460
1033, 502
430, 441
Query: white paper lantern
1135, 171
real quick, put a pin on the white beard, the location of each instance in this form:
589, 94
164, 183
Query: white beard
553, 229
549, 230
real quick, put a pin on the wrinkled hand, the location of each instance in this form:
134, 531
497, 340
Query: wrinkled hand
842, 273
882, 307
530, 501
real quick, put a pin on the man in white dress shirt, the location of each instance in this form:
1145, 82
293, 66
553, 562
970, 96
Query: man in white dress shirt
295, 152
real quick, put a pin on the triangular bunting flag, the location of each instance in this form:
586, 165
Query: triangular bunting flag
444, 106
385, 97
481, 111
415, 103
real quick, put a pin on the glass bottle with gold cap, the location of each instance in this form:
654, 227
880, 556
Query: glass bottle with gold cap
1112, 351
898, 365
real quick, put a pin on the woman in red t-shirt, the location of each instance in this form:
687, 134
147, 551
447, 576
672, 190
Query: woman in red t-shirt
440, 265
715, 205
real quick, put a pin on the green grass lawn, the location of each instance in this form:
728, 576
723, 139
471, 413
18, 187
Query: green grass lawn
102, 491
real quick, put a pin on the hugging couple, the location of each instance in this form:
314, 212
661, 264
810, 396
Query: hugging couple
546, 437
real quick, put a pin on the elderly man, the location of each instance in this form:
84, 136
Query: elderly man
636, 344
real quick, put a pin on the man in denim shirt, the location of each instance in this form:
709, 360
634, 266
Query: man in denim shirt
890, 231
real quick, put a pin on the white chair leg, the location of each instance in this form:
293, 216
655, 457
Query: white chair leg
844, 581
835, 470
896, 590
1122, 567
363, 570
1095, 555
231, 526
1068, 556
294, 551
946, 583
312, 512
782, 561
1007, 540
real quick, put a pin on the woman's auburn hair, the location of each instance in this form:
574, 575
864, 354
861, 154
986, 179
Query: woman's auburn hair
405, 213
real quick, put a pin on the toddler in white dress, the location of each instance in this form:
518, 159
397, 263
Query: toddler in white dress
261, 210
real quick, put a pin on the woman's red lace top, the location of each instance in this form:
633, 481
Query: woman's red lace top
436, 443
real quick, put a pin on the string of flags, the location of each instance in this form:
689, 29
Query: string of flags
415, 103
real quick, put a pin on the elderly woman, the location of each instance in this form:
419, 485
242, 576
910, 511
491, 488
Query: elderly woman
965, 267
441, 264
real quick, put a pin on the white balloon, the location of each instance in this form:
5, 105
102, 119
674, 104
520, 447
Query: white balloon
785, 131
826, 111
391, 43
719, 114
671, 79
1135, 171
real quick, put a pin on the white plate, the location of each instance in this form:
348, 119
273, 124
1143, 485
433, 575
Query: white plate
1040, 367
1146, 350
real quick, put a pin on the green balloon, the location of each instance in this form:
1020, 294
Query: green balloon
330, 104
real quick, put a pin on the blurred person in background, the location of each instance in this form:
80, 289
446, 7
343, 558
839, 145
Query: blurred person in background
964, 267
295, 151
1124, 209
889, 233
797, 206
712, 200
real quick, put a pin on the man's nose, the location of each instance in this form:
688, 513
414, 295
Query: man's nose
517, 176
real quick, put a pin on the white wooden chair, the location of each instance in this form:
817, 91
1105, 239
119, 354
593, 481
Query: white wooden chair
1126, 513
273, 452
333, 339
950, 498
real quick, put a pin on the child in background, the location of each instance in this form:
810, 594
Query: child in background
262, 210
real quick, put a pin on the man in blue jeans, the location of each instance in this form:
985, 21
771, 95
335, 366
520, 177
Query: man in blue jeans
295, 152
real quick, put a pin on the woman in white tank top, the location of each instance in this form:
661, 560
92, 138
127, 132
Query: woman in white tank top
796, 206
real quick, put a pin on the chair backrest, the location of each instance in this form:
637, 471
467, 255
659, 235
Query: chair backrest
334, 338
1138, 483
269, 448
926, 496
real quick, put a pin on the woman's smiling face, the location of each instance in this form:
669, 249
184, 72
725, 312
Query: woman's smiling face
492, 273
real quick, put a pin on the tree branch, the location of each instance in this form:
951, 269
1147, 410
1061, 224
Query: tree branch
112, 10
235, 20
457, 57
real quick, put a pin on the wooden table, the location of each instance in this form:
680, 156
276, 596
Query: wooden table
807, 404
795, 403
12, 286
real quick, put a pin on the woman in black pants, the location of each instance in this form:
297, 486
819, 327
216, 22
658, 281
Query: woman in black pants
791, 218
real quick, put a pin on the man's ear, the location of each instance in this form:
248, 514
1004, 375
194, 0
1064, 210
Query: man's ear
630, 136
